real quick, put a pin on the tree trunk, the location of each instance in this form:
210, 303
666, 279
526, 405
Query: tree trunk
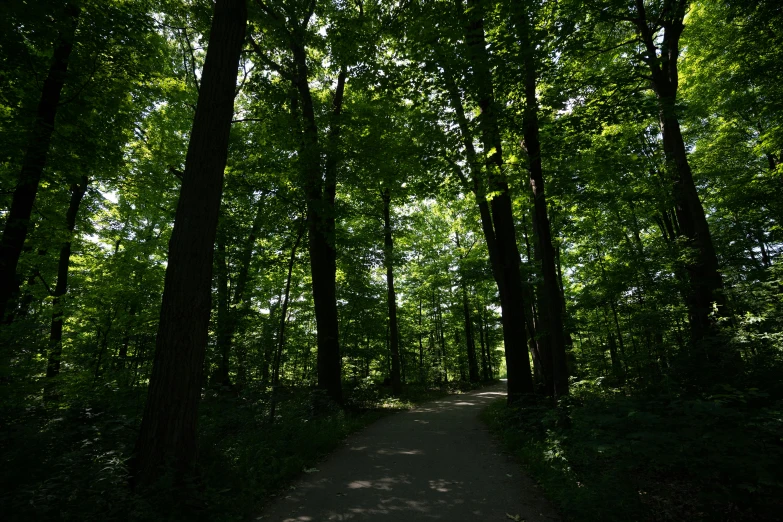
281, 329
617, 363
706, 282
540, 316
473, 372
167, 436
240, 304
500, 230
320, 192
126, 337
484, 350
488, 342
18, 220
532, 145
223, 328
422, 377
60, 289
765, 259
388, 259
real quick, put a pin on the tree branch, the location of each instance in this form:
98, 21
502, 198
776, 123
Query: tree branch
278, 20
192, 59
40, 277
268, 62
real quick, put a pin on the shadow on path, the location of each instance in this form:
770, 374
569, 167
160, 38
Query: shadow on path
436, 462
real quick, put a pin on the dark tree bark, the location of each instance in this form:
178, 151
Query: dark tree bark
269, 343
497, 219
122, 356
281, 327
167, 436
473, 372
706, 282
18, 220
488, 342
60, 289
422, 376
532, 145
223, 328
25, 301
320, 186
484, 350
765, 257
618, 331
617, 363
391, 298
129, 325
540, 340
238, 301
247, 254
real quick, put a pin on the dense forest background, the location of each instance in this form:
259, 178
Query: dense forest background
225, 219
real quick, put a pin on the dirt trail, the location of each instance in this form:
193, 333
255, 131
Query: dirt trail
436, 462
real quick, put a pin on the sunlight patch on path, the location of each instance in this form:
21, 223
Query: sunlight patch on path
435, 462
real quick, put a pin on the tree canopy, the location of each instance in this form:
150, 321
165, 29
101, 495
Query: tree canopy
275, 203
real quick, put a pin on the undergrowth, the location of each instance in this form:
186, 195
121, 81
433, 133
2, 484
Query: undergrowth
601, 455
66, 460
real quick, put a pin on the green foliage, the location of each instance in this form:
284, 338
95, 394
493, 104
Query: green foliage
653, 426
68, 460
602, 455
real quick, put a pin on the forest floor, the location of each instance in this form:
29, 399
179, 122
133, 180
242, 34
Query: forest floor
434, 462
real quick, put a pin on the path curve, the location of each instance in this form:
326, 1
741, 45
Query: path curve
435, 462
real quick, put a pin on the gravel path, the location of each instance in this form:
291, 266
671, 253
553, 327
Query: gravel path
436, 462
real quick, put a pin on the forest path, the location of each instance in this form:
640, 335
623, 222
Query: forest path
435, 462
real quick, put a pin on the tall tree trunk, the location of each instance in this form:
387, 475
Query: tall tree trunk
126, 336
247, 254
269, 343
422, 376
60, 289
484, 350
765, 258
532, 145
502, 239
167, 435
539, 323
238, 300
281, 328
18, 220
706, 282
388, 260
473, 372
488, 342
320, 188
223, 328
25, 301
617, 362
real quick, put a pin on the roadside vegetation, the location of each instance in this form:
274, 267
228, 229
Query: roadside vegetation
71, 462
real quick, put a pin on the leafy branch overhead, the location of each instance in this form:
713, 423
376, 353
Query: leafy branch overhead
235, 230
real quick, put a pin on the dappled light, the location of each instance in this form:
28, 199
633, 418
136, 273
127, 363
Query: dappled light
402, 469
459, 260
